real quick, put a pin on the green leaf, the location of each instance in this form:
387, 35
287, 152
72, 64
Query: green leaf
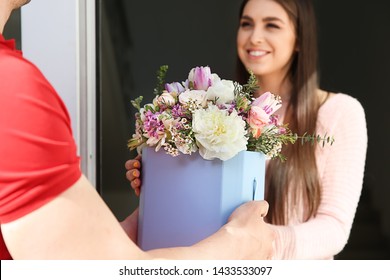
137, 102
161, 74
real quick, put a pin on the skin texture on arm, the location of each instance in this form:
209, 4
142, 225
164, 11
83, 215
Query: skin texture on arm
78, 225
75, 225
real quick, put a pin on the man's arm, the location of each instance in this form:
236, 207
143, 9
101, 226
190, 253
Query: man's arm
79, 225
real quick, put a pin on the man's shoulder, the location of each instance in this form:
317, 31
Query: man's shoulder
20, 76
12, 64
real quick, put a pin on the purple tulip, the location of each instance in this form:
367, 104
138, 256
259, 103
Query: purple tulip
200, 78
174, 87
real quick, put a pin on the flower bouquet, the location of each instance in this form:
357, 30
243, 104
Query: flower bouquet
204, 142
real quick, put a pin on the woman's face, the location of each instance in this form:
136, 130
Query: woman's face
266, 38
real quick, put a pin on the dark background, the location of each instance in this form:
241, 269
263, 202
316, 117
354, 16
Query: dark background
354, 44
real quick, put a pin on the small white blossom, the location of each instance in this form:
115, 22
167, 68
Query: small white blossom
221, 92
166, 99
197, 97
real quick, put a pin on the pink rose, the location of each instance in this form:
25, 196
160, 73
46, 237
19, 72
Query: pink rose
261, 111
257, 119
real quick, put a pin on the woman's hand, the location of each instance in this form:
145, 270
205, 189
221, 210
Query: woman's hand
130, 225
133, 173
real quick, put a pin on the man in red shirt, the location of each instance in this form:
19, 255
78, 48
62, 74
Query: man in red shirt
48, 208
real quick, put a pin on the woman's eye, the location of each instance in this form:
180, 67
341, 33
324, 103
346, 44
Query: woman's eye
245, 24
272, 25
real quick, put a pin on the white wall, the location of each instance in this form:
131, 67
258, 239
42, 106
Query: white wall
59, 37
49, 39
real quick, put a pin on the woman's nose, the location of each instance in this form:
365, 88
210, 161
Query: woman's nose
257, 36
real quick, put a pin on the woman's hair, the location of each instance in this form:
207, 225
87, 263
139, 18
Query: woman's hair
297, 178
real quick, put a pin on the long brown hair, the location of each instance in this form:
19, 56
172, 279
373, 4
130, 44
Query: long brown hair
296, 180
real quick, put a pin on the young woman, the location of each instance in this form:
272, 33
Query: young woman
313, 196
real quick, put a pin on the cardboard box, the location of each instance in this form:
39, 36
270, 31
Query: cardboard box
187, 198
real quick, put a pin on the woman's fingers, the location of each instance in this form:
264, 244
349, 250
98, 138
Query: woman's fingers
133, 167
135, 182
133, 163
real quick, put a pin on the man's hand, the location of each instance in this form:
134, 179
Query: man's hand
257, 236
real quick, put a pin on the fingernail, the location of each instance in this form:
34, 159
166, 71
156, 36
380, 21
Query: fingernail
135, 173
136, 164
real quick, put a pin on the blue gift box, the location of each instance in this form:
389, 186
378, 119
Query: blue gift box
187, 198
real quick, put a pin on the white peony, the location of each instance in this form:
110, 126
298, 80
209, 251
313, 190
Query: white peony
222, 92
218, 134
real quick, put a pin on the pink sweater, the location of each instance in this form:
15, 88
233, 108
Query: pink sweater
341, 170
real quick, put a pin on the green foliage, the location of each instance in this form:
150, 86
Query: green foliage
315, 138
137, 102
251, 86
161, 74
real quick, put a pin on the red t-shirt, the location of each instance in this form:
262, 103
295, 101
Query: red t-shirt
38, 154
